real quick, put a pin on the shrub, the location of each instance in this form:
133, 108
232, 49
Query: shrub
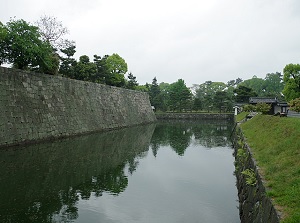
295, 105
249, 108
263, 108
250, 177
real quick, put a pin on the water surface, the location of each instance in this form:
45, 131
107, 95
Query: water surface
169, 172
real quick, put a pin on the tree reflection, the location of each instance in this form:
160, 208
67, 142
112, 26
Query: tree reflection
133, 164
113, 181
159, 138
61, 207
212, 135
175, 134
178, 135
179, 138
68, 200
45, 182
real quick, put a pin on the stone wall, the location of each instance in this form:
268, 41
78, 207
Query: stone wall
255, 205
37, 106
196, 116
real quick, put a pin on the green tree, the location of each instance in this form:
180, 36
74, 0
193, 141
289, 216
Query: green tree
233, 83
270, 86
238, 81
85, 70
263, 108
197, 104
206, 92
180, 96
68, 63
230, 97
22, 46
220, 100
116, 67
52, 65
249, 108
274, 85
295, 105
244, 93
3, 45
154, 94
291, 78
164, 95
131, 83
144, 88
256, 84
102, 71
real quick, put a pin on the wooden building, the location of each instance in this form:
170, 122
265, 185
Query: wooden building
276, 105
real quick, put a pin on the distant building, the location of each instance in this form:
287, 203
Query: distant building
276, 105
282, 107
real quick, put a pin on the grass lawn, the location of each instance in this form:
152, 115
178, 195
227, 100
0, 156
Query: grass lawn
275, 144
241, 116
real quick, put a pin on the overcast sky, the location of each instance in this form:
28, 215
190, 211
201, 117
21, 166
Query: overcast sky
195, 40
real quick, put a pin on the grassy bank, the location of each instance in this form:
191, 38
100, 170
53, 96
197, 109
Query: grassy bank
241, 116
275, 144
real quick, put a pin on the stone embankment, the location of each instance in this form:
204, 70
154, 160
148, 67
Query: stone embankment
36, 107
195, 116
255, 205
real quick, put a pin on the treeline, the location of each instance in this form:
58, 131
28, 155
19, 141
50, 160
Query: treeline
213, 96
219, 96
41, 47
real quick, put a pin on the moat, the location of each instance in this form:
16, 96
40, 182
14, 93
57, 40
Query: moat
179, 171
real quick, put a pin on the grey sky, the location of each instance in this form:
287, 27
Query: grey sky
195, 40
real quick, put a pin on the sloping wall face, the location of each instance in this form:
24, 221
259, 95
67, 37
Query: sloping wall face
255, 206
36, 106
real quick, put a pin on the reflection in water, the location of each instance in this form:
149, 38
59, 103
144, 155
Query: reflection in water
42, 183
82, 179
178, 134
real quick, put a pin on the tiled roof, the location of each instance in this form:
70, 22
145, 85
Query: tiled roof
255, 100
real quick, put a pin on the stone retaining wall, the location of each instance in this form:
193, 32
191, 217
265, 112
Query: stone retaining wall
255, 205
198, 116
37, 106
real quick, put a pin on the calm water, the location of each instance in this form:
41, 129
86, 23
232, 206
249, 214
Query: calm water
164, 173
